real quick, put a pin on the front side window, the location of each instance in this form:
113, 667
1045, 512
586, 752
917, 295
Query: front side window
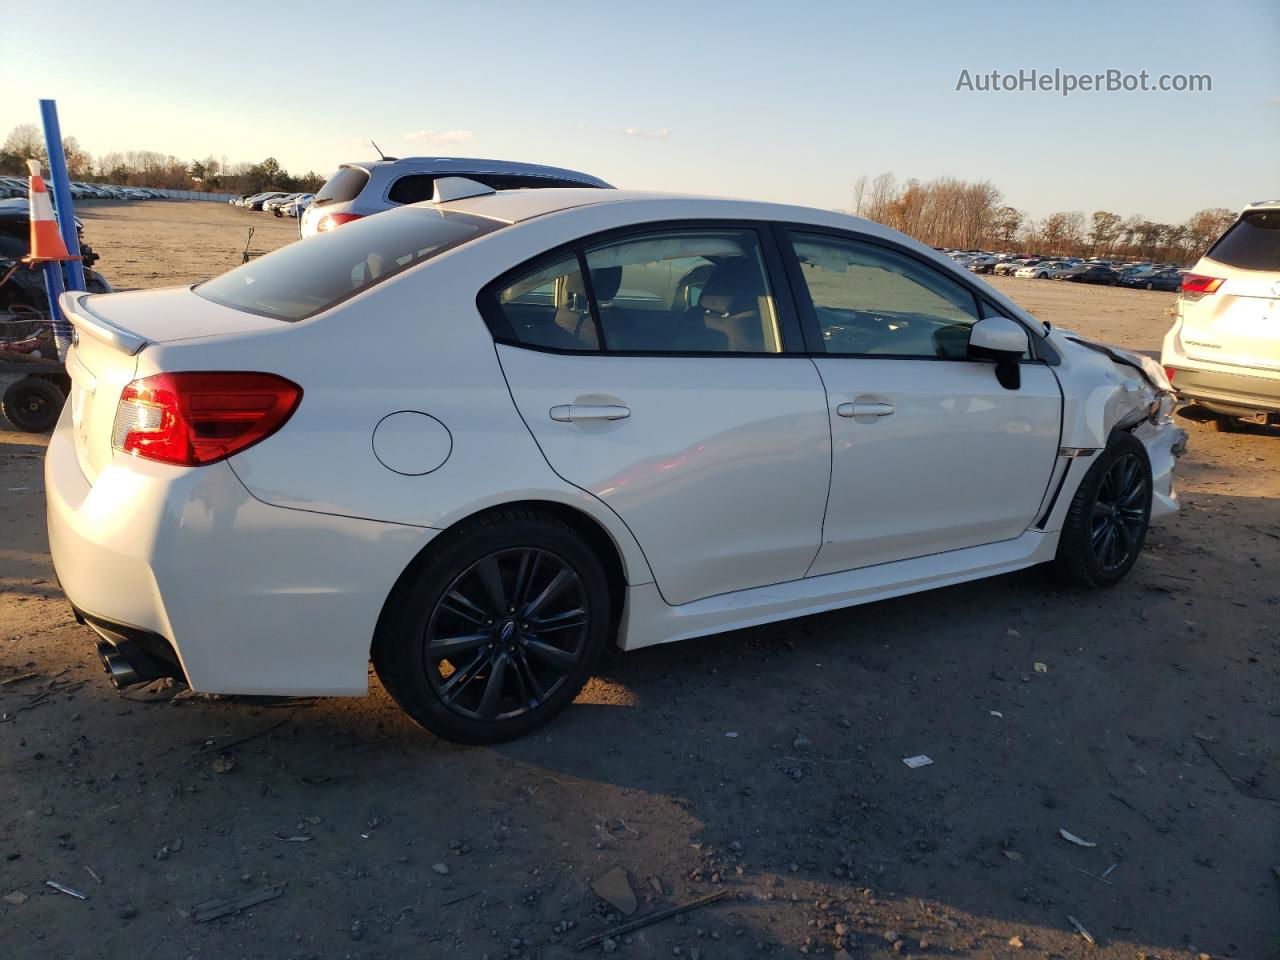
871, 301
684, 292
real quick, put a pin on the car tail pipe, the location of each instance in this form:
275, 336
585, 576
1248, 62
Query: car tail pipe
130, 655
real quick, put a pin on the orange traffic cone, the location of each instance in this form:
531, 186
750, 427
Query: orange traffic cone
46, 241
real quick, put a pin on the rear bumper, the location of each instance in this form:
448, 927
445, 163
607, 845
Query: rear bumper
1232, 392
251, 598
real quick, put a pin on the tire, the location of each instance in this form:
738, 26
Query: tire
482, 591
1107, 521
1225, 423
32, 405
1148, 285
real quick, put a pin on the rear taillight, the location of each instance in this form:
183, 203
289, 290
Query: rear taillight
331, 220
197, 418
1169, 372
1200, 284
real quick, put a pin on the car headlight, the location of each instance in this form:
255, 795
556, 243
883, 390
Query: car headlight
1162, 409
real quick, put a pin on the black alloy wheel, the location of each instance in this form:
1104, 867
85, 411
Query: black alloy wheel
506, 634
1106, 522
1120, 513
496, 626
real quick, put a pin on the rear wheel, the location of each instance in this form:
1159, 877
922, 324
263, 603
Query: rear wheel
32, 405
496, 630
1225, 423
1106, 524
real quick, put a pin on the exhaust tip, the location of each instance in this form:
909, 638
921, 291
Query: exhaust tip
117, 667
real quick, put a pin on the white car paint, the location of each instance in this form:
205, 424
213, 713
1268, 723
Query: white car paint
267, 571
1225, 345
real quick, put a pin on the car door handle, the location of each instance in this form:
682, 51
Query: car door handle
865, 409
570, 412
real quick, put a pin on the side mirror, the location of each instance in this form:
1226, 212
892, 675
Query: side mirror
1004, 341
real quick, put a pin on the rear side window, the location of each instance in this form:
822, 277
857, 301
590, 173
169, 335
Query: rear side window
343, 186
1251, 243
417, 187
307, 277
688, 291
549, 307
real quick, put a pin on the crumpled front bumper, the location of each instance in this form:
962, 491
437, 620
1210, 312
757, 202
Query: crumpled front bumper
1165, 443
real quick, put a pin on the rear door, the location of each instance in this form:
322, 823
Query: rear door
654, 370
1239, 322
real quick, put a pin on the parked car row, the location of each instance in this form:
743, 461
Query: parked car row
1112, 273
280, 203
17, 187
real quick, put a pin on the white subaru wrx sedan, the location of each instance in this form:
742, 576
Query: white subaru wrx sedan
478, 438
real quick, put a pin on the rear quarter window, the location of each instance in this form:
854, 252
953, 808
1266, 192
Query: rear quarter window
310, 276
417, 187
1251, 243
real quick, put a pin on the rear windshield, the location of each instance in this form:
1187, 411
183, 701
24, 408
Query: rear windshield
1252, 243
344, 185
309, 276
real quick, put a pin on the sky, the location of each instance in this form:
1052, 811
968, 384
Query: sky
787, 102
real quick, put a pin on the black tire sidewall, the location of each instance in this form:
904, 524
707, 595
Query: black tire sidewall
1075, 548
14, 405
399, 652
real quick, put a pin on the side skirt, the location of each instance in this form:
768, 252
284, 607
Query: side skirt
648, 620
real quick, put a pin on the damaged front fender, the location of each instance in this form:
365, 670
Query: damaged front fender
1106, 390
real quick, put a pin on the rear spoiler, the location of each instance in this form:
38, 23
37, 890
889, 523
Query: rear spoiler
85, 321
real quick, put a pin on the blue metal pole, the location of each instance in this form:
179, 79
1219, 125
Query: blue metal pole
60, 180
66, 216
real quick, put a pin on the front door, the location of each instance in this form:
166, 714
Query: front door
929, 452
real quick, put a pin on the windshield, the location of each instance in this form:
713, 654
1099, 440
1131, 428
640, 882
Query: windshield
310, 276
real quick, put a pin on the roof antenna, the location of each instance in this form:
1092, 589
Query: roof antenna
379, 149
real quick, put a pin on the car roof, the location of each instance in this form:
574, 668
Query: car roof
461, 166
515, 206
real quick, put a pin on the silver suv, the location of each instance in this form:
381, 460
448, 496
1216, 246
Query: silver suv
360, 189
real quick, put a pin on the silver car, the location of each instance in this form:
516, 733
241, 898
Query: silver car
359, 189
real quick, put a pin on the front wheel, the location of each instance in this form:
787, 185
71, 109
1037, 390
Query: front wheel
496, 630
1106, 524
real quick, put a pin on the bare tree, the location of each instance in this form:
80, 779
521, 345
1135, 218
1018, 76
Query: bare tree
884, 191
859, 193
79, 160
1103, 230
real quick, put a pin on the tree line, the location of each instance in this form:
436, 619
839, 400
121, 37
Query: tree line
951, 213
944, 212
147, 168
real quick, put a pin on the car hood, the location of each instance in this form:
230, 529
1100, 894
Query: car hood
1151, 371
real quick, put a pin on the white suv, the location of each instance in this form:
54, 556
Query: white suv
359, 189
1224, 349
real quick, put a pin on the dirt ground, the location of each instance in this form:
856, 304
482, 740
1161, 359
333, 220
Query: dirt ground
766, 763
